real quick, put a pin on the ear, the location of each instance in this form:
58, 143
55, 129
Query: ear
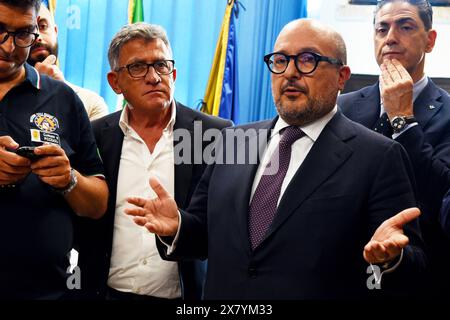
431, 40
344, 75
113, 81
56, 30
174, 75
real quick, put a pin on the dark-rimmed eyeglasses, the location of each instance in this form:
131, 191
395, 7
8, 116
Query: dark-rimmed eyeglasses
140, 69
22, 39
305, 62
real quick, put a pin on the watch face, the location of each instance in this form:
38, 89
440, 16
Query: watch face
398, 123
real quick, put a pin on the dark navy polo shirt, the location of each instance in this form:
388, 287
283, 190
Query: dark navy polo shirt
36, 229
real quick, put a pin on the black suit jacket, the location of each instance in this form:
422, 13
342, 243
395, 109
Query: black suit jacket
96, 236
445, 213
428, 147
346, 187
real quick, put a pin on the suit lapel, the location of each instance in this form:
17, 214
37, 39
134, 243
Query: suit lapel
368, 107
427, 104
112, 148
328, 153
183, 171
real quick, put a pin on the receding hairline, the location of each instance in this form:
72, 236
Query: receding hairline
321, 29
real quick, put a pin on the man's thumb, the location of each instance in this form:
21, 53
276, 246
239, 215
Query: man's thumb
404, 217
51, 59
8, 142
158, 188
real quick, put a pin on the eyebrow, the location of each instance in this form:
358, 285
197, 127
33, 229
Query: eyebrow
308, 49
397, 22
28, 28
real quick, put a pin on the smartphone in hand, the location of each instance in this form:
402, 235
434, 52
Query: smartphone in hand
27, 152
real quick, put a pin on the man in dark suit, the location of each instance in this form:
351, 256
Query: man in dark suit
136, 143
293, 224
407, 106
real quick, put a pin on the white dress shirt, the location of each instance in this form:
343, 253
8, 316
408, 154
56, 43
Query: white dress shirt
135, 263
300, 149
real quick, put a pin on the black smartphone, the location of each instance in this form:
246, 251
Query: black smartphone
27, 152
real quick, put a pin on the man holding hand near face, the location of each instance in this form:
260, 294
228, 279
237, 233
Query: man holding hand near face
407, 106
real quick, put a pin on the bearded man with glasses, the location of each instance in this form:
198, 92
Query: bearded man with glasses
135, 144
60, 177
310, 228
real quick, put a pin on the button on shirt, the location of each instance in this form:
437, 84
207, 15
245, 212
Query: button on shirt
136, 266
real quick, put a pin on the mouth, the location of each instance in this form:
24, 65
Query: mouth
5, 59
293, 91
38, 49
151, 92
391, 54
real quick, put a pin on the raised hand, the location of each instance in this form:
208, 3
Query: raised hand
49, 67
396, 89
389, 240
159, 215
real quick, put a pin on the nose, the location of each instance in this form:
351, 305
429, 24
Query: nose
391, 37
152, 76
291, 71
8, 46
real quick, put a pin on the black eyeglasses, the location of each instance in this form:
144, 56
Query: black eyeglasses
305, 62
140, 69
22, 39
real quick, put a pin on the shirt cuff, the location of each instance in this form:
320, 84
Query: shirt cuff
171, 247
406, 128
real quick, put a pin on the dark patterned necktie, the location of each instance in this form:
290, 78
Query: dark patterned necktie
383, 126
265, 199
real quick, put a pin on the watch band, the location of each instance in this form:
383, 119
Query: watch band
72, 184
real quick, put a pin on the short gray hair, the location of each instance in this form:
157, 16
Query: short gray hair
139, 30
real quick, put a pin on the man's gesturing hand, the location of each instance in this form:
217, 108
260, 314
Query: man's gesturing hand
389, 240
159, 215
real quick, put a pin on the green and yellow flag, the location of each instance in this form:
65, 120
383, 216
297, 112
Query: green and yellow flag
135, 11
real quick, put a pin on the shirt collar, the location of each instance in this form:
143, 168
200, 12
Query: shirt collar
32, 76
124, 123
312, 130
419, 86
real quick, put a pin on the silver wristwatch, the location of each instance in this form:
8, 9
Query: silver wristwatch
72, 184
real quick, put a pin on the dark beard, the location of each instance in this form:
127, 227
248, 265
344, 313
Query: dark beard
315, 109
41, 57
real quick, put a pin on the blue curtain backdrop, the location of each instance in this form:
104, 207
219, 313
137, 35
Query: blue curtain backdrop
86, 28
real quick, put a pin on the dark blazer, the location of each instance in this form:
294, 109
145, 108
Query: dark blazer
97, 236
428, 147
445, 214
346, 187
